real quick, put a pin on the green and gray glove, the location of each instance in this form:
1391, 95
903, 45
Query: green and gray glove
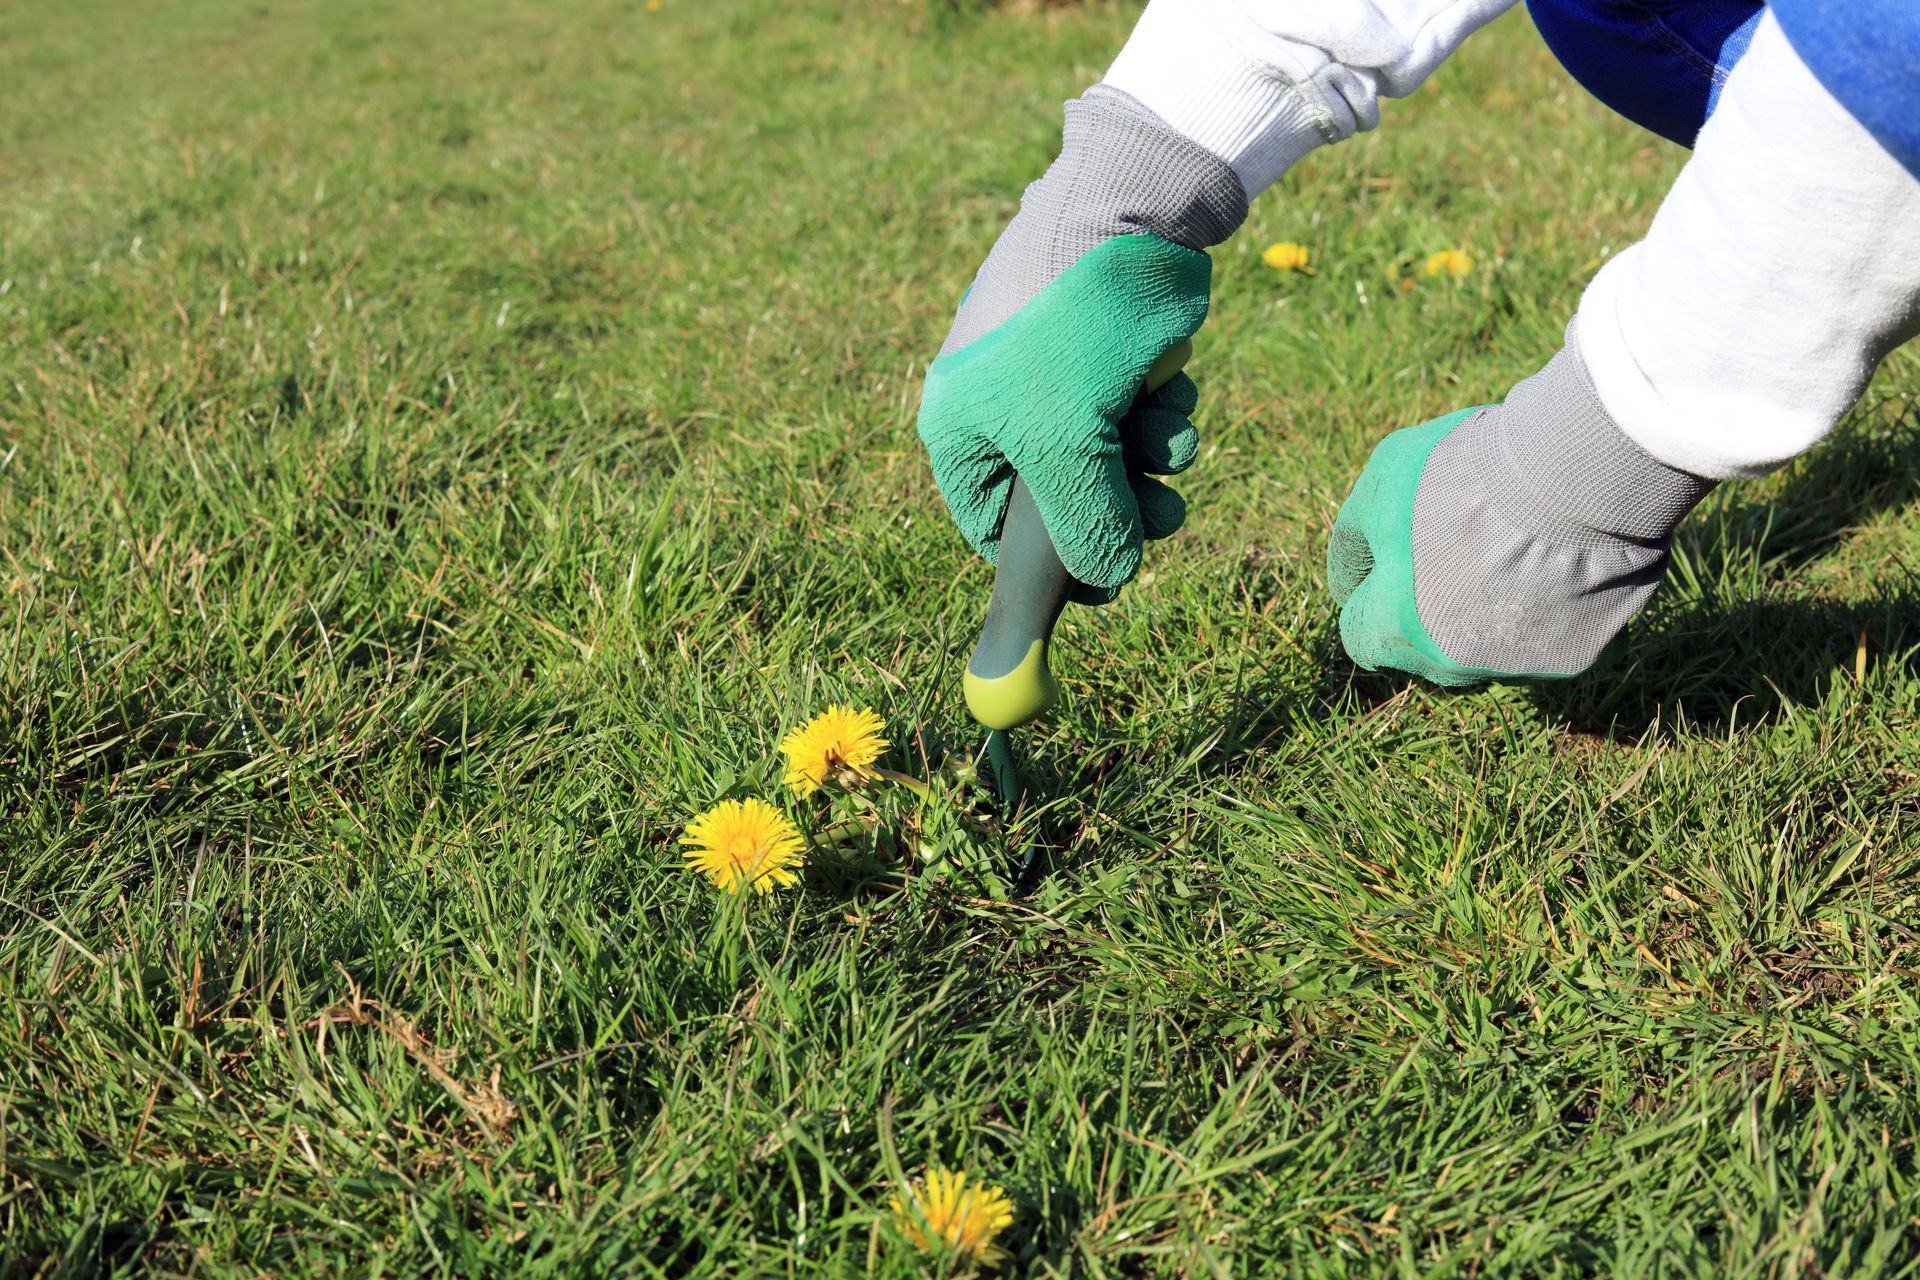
1510, 542
1099, 276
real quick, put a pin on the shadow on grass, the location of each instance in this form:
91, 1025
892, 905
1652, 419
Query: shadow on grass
1713, 669
1710, 668
1849, 480
1729, 657
864, 873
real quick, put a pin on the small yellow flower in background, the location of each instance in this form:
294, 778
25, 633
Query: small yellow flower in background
1287, 256
964, 1218
742, 842
838, 737
655, 6
1447, 262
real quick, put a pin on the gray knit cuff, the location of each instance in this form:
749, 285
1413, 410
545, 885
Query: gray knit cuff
1558, 465
1122, 171
1149, 176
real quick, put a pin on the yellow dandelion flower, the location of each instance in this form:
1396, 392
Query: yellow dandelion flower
1287, 256
963, 1217
837, 738
1447, 262
742, 842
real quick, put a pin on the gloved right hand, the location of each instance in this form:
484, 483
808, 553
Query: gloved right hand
1511, 542
1098, 278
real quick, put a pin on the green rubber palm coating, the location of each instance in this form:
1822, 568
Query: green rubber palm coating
1007, 682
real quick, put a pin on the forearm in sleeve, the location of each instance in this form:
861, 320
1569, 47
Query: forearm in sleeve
1782, 267
1260, 83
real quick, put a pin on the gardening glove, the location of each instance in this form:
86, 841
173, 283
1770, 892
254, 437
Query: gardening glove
1099, 275
1509, 542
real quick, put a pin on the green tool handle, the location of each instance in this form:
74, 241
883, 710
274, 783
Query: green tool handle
1007, 680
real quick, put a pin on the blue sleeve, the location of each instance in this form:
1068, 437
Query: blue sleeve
1867, 54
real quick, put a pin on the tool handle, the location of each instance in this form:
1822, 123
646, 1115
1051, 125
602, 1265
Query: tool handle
1007, 680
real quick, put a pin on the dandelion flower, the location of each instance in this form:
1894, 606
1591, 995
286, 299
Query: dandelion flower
838, 737
742, 842
1447, 262
962, 1217
1287, 256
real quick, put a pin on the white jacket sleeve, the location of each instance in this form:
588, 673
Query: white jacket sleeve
1780, 270
1262, 82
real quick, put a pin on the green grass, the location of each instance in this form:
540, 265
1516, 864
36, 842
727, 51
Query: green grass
442, 447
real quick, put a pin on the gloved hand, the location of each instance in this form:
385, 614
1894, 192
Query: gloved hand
1510, 542
1099, 276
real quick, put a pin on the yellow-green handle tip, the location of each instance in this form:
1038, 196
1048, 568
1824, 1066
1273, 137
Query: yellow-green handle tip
1011, 700
1171, 361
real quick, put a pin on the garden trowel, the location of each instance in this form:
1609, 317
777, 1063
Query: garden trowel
1007, 680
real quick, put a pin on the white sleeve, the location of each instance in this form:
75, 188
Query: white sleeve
1262, 82
1782, 267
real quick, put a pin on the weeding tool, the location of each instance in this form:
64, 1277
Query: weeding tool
1007, 680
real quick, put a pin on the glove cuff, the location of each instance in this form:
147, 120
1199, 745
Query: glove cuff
1122, 171
1539, 528
1139, 173
1560, 466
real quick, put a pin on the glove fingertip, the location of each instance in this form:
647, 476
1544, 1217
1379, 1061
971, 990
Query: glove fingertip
1179, 393
976, 492
1162, 509
1159, 441
1092, 596
1183, 447
1090, 512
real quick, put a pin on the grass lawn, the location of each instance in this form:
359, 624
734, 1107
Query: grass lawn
444, 447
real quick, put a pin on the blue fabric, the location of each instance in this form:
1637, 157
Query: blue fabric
1662, 63
1732, 49
1659, 63
1867, 54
